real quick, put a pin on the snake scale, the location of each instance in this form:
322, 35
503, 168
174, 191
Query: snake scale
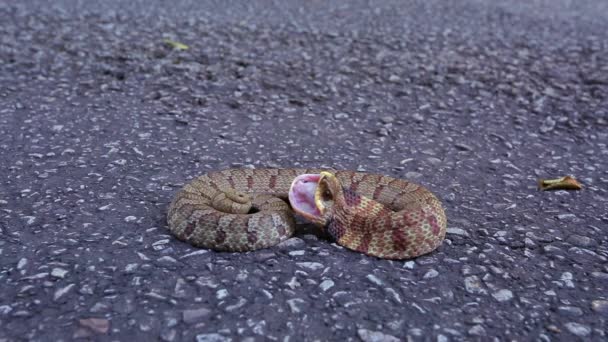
241, 210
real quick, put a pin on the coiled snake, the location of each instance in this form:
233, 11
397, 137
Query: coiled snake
247, 209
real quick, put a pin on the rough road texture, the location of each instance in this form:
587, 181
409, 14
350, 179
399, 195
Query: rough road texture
101, 123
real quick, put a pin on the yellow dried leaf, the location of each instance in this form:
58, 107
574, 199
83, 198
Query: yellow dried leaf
177, 45
563, 183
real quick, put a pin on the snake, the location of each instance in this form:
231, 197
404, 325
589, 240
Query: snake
240, 210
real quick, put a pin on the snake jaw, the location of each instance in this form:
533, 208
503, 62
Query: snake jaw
301, 197
313, 196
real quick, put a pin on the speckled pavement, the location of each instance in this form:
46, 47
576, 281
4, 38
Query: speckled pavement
102, 120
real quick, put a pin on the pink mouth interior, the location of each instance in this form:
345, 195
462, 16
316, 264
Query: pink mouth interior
302, 195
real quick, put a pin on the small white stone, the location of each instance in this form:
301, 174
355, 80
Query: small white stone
313, 266
130, 268
341, 116
432, 273
394, 78
578, 329
62, 291
326, 284
167, 259
221, 294
457, 231
413, 175
503, 295
293, 283
22, 263
394, 294
293, 304
442, 338
130, 218
375, 336
374, 279
213, 337
198, 252
105, 207
58, 273
160, 242
194, 316
565, 216
409, 265
477, 330
473, 285
5, 309
142, 256
566, 278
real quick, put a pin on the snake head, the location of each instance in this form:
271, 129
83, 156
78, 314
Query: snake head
316, 196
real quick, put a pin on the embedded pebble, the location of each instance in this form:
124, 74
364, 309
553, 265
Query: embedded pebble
98, 325
432, 273
341, 116
457, 231
503, 295
581, 241
295, 304
394, 295
473, 285
548, 125
212, 337
58, 273
600, 275
195, 315
312, 266
375, 336
221, 294
569, 311
326, 284
566, 279
293, 242
375, 280
130, 268
394, 79
413, 175
564, 217
168, 335
62, 291
241, 302
5, 309
167, 260
600, 306
22, 263
578, 329
477, 330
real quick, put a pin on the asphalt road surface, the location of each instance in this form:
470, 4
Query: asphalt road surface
102, 120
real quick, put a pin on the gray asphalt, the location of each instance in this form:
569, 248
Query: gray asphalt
101, 122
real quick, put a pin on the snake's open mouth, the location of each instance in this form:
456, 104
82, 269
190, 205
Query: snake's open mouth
302, 195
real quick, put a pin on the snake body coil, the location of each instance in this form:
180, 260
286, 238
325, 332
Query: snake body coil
246, 209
